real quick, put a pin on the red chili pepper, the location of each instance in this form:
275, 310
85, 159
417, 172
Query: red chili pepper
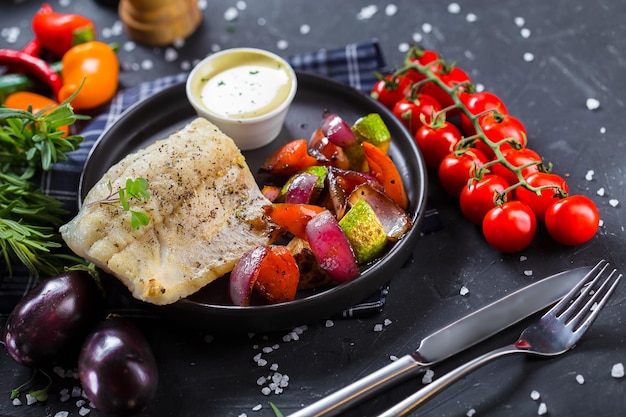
58, 32
32, 48
34, 66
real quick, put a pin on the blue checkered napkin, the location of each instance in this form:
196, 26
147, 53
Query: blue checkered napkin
354, 65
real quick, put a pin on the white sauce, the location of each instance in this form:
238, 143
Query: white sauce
246, 91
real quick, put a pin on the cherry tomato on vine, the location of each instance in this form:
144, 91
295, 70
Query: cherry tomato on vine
517, 158
436, 141
572, 220
456, 170
510, 227
410, 111
421, 57
549, 196
452, 77
501, 128
478, 197
389, 90
478, 103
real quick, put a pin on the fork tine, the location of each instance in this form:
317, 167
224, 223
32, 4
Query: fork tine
583, 319
571, 302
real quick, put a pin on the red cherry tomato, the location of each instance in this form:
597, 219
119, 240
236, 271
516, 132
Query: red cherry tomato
436, 141
477, 103
572, 220
421, 57
456, 170
510, 227
479, 197
501, 128
452, 77
389, 90
411, 111
518, 158
549, 196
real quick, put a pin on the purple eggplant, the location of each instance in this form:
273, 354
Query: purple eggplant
52, 319
117, 368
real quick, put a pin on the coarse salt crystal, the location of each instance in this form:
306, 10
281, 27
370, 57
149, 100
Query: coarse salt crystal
241, 5
261, 380
528, 272
471, 412
282, 44
428, 376
603, 130
30, 400
454, 8
479, 87
242, 415
393, 358
129, 46
261, 362
84, 411
601, 192
427, 28
529, 56
62, 414
403, 47
534, 394
268, 349
519, 21
614, 202
387, 322
274, 367
589, 175
525, 32
170, 55
367, 12
543, 409
378, 327
523, 258
231, 14
471, 18
16, 402
593, 104
391, 9
580, 379
305, 29
257, 407
266, 391
147, 64
178, 43
76, 391
80, 403
617, 371
464, 290
329, 323
417, 37
261, 21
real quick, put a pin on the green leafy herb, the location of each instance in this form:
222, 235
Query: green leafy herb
135, 189
277, 412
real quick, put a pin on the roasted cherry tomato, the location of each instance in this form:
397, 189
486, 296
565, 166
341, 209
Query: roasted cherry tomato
518, 158
572, 220
549, 196
456, 170
414, 112
510, 227
436, 141
501, 128
389, 90
478, 103
479, 196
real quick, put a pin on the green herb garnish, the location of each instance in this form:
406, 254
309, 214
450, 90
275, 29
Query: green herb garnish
135, 189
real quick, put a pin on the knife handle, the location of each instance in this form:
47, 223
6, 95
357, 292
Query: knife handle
335, 403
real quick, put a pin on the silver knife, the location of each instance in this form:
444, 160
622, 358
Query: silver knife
451, 340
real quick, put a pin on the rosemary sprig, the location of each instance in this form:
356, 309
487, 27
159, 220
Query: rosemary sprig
135, 189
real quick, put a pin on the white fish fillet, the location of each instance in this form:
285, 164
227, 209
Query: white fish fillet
205, 211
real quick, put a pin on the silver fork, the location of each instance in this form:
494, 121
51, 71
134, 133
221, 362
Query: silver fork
555, 333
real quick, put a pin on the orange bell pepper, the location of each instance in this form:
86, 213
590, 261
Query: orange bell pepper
289, 158
293, 217
92, 69
35, 103
384, 170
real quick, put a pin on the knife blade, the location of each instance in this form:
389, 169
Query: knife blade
450, 340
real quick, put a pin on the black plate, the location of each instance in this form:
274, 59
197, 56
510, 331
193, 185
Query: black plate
168, 110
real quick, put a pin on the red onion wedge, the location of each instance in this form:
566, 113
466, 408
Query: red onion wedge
245, 274
395, 221
302, 189
331, 247
337, 130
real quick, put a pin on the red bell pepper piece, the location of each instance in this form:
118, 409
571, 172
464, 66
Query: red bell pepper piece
384, 170
293, 217
278, 276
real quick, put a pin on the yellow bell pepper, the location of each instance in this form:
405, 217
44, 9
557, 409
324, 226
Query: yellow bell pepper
93, 68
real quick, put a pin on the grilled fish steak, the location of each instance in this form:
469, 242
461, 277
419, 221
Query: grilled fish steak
205, 211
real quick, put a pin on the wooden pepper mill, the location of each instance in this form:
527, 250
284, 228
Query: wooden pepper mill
159, 22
